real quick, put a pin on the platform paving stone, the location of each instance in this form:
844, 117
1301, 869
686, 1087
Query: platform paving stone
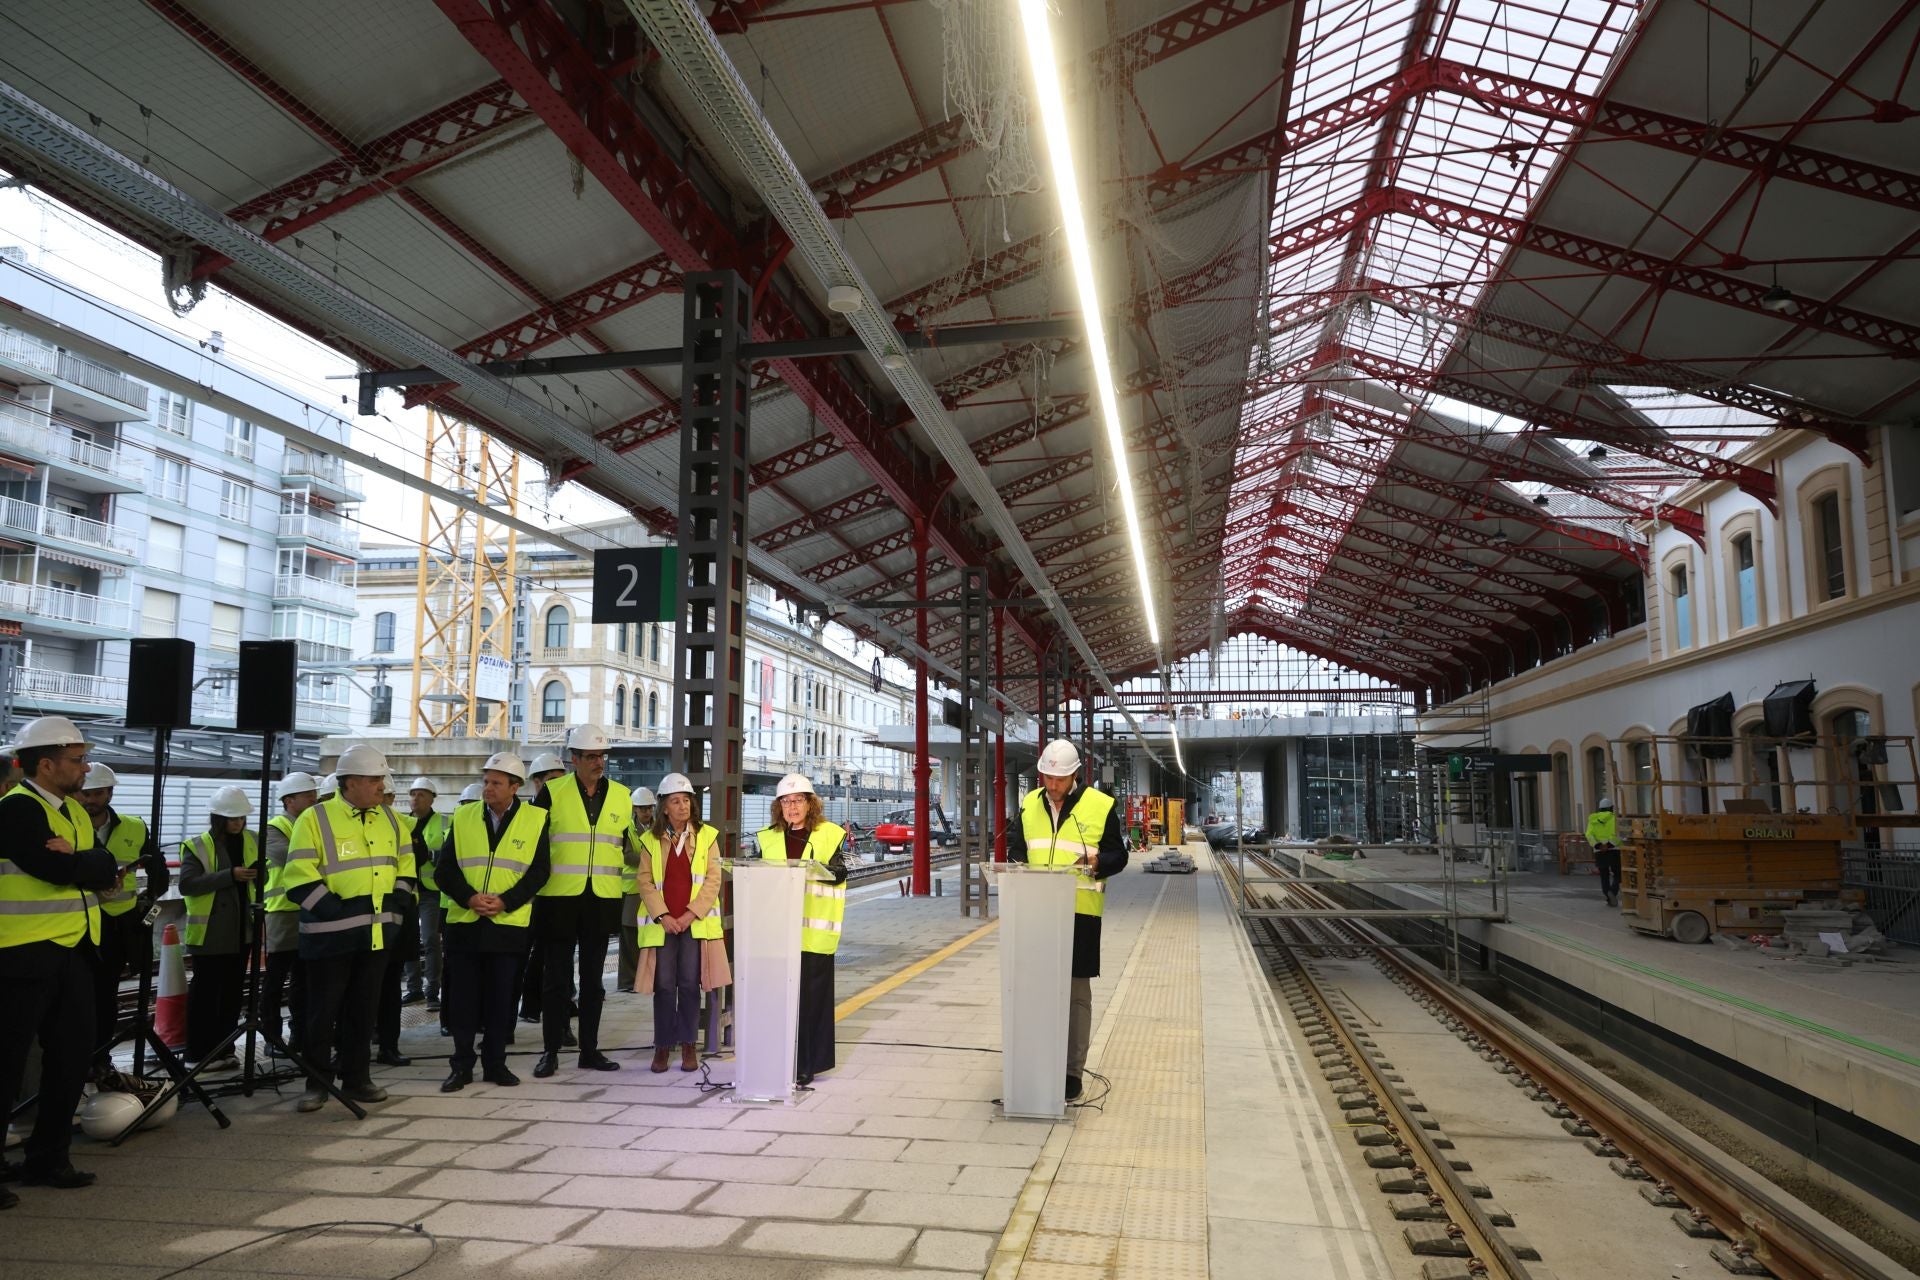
482, 1184
965, 1213
739, 1168
820, 1146
533, 1224
596, 1191
965, 1251
818, 1203
616, 1162
651, 1231
840, 1240
881, 1175
719, 1142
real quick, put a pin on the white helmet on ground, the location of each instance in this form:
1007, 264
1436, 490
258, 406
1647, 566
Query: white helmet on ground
588, 737
106, 1114
675, 783
48, 731
547, 762
361, 761
794, 784
1060, 759
423, 783
469, 793
508, 763
643, 798
99, 778
231, 802
295, 783
329, 785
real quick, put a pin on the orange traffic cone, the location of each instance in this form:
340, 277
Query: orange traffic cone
170, 1008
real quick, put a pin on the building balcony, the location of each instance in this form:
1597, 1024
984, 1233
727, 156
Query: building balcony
53, 692
82, 386
329, 477
305, 526
30, 520
302, 588
67, 612
85, 464
313, 716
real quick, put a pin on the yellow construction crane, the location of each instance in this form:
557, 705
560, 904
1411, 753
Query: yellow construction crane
463, 622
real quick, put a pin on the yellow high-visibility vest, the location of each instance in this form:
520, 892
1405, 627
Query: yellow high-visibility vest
362, 862
495, 868
1078, 836
200, 905
31, 909
708, 926
825, 909
587, 856
126, 839
275, 892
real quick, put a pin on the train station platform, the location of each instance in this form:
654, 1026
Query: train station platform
1822, 1061
1200, 1151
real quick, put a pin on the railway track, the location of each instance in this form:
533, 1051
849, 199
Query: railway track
1756, 1228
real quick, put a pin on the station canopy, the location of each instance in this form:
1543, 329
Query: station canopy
1422, 313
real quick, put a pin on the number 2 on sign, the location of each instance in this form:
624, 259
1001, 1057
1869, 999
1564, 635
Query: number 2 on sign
625, 599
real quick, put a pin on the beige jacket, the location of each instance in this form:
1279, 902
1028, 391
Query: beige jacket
715, 972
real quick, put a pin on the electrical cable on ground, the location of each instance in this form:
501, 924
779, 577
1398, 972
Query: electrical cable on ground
433, 1244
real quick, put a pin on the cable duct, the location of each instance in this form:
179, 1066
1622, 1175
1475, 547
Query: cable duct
686, 41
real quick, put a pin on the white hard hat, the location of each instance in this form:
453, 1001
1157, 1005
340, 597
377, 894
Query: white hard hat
295, 783
361, 761
470, 793
588, 737
48, 731
386, 783
423, 783
505, 762
1606, 802
231, 802
329, 785
675, 782
794, 784
547, 762
99, 778
643, 797
1060, 759
106, 1114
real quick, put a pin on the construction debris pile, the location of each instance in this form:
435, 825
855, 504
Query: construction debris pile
1829, 933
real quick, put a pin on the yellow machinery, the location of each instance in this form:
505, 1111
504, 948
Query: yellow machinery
1702, 854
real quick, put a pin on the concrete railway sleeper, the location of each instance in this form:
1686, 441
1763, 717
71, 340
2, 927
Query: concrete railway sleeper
1754, 1228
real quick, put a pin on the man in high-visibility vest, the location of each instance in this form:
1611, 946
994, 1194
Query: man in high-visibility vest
126, 939
590, 827
429, 833
1603, 831
491, 869
285, 976
544, 768
51, 881
218, 868
643, 804
1065, 824
350, 870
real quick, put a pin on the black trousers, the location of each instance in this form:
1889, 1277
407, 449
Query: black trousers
343, 993
479, 998
532, 974
285, 979
579, 925
213, 1002
816, 1015
406, 951
1607, 861
46, 994
124, 939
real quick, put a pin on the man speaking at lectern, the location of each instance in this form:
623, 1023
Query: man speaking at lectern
1065, 824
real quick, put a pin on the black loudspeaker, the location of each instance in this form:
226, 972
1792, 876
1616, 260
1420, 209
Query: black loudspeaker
1789, 709
159, 684
268, 670
1712, 720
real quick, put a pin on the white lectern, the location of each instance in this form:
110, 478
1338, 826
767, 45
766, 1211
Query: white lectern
1036, 972
766, 975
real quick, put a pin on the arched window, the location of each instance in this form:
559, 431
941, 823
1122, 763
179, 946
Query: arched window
1682, 607
621, 632
653, 710
653, 642
1597, 789
553, 702
383, 632
620, 702
636, 706
558, 625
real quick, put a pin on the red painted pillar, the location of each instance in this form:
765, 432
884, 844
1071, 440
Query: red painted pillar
922, 763
1000, 741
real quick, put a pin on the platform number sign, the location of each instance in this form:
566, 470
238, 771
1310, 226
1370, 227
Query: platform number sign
635, 584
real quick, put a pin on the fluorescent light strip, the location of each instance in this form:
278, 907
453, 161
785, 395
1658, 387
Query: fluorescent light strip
1053, 116
1173, 731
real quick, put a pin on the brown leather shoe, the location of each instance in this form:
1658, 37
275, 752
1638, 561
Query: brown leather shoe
689, 1057
660, 1055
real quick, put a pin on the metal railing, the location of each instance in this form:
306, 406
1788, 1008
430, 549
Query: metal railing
49, 522
23, 349
330, 533
301, 586
1889, 874
309, 713
34, 432
78, 607
298, 464
33, 686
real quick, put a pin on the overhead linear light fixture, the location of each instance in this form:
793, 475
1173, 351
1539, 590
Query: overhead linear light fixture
845, 299
1045, 66
1173, 731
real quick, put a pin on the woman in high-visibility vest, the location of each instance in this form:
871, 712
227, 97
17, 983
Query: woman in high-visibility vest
800, 830
678, 883
217, 870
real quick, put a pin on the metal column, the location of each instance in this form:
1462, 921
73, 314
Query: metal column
973, 805
922, 770
1000, 742
1054, 666
711, 623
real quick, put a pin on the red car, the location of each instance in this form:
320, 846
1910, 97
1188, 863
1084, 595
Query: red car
894, 831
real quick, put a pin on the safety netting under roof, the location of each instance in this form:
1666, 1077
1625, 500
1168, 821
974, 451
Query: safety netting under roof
1348, 229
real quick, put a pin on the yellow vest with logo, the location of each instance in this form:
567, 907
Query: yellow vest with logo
433, 836
711, 924
825, 907
275, 892
587, 856
200, 905
1079, 836
32, 910
1602, 827
499, 868
126, 840
360, 861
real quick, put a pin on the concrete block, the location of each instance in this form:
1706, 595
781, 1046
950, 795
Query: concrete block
961, 1213
769, 1169
530, 1225
1399, 1181
954, 1250
1518, 1243
1659, 1197
1629, 1169
1737, 1261
1388, 1158
481, 1184
885, 1175
1693, 1224
598, 1191
1578, 1128
623, 1229
1601, 1147
1373, 1135
1414, 1207
761, 1201
1431, 1239
852, 1242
